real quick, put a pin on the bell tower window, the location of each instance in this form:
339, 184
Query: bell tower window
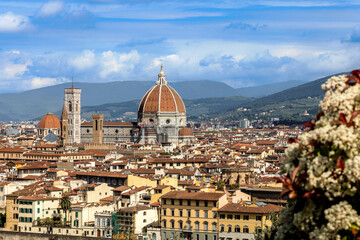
70, 106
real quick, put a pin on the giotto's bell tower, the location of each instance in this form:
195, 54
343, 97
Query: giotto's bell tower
73, 109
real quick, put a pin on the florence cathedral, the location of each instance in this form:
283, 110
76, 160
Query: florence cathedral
161, 120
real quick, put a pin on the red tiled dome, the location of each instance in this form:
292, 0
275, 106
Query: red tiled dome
49, 121
161, 98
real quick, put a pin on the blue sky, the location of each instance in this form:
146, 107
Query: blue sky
241, 43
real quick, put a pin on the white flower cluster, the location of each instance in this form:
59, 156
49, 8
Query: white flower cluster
340, 217
329, 155
339, 98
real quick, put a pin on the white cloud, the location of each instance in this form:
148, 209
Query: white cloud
14, 70
10, 22
51, 8
166, 60
84, 61
38, 82
114, 62
10, 69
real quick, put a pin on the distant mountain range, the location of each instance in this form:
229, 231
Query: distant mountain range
34, 103
288, 104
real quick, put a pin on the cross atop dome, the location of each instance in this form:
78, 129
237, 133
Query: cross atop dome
161, 77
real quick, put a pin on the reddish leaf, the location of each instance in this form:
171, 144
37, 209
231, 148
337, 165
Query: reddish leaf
285, 191
351, 81
343, 118
308, 194
280, 179
356, 74
340, 163
310, 124
294, 173
353, 115
292, 194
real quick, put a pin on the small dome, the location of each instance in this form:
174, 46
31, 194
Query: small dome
185, 131
49, 121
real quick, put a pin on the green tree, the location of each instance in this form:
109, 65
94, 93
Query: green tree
65, 205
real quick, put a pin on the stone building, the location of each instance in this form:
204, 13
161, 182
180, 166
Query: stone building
99, 131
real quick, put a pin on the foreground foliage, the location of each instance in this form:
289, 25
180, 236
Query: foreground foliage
323, 169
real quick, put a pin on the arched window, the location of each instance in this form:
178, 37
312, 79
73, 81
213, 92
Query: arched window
108, 222
103, 222
258, 229
188, 225
153, 236
164, 223
206, 226
197, 226
77, 107
214, 227
180, 224
237, 228
229, 228
246, 229
70, 106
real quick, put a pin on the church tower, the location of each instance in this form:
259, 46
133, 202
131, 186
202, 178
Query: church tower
64, 126
97, 128
73, 108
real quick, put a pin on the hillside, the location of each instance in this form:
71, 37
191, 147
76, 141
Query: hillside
288, 104
34, 103
264, 90
310, 89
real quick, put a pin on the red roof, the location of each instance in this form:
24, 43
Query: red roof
193, 195
161, 98
240, 208
49, 121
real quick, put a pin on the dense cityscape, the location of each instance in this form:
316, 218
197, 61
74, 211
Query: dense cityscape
179, 120
159, 178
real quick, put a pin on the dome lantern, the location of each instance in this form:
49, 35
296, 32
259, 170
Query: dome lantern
161, 77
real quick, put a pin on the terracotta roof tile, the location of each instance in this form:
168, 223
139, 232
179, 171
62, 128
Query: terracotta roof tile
193, 195
238, 207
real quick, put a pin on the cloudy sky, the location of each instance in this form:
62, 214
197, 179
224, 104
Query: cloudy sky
241, 43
